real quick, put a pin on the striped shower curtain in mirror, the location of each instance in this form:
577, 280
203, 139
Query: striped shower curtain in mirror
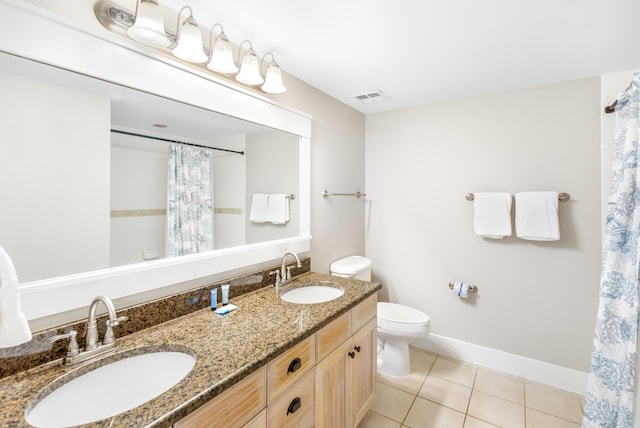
189, 201
610, 393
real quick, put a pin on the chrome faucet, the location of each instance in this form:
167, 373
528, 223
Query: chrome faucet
91, 341
284, 274
93, 348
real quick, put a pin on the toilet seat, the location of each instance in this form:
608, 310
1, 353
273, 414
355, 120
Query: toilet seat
394, 313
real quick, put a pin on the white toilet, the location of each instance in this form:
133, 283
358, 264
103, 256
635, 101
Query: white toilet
398, 325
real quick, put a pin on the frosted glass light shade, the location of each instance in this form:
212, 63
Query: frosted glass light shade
190, 43
250, 70
148, 28
273, 80
222, 57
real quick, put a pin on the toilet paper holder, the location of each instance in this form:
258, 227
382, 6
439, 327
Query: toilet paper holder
472, 288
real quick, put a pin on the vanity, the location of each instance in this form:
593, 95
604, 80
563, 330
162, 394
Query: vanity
269, 363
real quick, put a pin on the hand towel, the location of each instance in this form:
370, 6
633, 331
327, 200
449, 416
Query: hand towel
492, 214
278, 210
14, 328
537, 216
259, 207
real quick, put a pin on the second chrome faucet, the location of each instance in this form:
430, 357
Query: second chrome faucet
284, 274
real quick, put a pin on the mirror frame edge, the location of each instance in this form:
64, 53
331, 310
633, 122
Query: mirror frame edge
69, 293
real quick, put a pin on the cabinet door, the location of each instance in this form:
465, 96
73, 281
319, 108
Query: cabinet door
331, 389
259, 421
363, 371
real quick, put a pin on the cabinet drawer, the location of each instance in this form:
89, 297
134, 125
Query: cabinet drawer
364, 312
332, 335
232, 408
290, 366
296, 407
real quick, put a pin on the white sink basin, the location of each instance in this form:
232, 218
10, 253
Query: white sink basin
111, 389
316, 293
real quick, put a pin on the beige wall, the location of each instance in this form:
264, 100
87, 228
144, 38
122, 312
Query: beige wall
337, 165
536, 299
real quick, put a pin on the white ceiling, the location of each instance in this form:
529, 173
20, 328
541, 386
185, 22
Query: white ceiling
427, 51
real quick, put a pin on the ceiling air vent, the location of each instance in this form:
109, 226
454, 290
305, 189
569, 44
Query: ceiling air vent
373, 97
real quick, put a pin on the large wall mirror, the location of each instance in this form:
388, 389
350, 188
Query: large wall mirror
93, 160
89, 167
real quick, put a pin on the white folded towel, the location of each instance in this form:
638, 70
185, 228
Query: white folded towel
14, 328
537, 216
492, 214
278, 209
259, 207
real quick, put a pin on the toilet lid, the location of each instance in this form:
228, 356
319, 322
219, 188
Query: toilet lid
401, 314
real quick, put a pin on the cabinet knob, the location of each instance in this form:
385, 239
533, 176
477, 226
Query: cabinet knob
352, 354
294, 365
294, 406
357, 348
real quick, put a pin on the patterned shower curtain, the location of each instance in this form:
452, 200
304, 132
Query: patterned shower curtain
189, 201
610, 394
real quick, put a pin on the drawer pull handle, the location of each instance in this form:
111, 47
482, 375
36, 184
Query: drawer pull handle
352, 354
294, 406
295, 365
357, 348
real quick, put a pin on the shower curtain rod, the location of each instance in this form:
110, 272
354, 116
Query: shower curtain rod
133, 134
612, 108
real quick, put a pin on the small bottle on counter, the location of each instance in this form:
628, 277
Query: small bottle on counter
214, 299
225, 294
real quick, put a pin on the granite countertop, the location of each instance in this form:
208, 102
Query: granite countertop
227, 349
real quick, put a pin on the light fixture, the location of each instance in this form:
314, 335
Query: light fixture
273, 77
189, 40
148, 28
221, 59
249, 67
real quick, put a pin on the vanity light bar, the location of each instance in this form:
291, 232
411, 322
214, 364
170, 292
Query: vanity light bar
146, 26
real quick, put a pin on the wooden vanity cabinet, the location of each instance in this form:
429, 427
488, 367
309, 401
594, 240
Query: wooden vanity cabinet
327, 380
346, 378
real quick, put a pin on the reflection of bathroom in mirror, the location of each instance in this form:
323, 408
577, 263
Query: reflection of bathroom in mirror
79, 197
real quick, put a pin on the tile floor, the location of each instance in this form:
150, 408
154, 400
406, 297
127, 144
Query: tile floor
445, 393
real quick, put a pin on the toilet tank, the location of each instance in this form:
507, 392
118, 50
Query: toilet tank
357, 267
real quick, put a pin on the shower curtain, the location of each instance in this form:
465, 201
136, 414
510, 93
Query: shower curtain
189, 201
610, 393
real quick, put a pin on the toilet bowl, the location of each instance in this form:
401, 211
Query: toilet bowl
398, 325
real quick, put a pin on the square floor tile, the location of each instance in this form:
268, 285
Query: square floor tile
496, 410
471, 422
447, 393
376, 420
392, 402
454, 371
421, 360
553, 401
499, 384
536, 419
425, 414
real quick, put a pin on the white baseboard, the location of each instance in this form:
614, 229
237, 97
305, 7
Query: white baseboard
517, 365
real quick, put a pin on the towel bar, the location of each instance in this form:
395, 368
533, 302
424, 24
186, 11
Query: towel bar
472, 288
562, 197
357, 194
